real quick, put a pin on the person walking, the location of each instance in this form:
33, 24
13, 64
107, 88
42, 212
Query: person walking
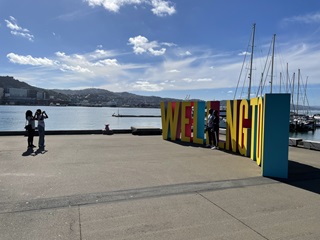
30, 127
40, 116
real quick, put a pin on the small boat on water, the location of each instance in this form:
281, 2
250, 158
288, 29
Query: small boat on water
302, 123
316, 118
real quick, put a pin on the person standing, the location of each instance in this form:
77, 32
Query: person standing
215, 130
210, 127
30, 127
40, 116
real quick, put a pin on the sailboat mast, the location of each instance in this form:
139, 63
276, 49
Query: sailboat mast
251, 60
298, 91
292, 92
272, 61
280, 80
287, 88
305, 96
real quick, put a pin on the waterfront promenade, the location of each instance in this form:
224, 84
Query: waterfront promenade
142, 187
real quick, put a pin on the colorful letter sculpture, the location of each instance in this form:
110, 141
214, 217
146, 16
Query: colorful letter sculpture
257, 128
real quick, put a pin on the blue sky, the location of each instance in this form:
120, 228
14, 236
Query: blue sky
178, 48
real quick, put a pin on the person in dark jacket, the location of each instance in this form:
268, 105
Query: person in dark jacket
210, 128
215, 130
30, 127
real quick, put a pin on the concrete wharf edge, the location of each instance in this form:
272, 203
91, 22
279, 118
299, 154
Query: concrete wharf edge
133, 130
294, 142
143, 187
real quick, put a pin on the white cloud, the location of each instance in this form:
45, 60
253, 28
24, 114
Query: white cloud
159, 7
79, 69
204, 80
184, 54
60, 54
308, 18
69, 63
187, 80
17, 30
12, 24
169, 44
162, 8
147, 86
29, 60
106, 69
174, 71
29, 36
107, 62
142, 45
157, 52
244, 53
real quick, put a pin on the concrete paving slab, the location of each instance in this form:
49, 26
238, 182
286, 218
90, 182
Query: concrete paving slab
174, 217
33, 225
142, 187
73, 165
276, 211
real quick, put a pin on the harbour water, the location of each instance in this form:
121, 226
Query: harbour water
12, 118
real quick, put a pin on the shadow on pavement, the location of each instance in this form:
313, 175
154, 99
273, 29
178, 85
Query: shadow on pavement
186, 144
303, 176
40, 151
299, 175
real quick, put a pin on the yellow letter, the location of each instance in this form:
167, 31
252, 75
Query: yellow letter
254, 103
232, 122
243, 131
260, 131
169, 121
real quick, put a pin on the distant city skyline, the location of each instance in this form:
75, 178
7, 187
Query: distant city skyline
163, 48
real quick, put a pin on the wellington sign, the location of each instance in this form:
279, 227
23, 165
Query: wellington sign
257, 128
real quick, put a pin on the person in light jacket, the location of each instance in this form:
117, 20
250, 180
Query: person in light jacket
40, 116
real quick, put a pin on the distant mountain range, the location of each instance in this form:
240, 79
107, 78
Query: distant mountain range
98, 97
88, 97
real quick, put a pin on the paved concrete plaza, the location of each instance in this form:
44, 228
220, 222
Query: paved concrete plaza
142, 187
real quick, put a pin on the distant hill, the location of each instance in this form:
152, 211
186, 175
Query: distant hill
90, 96
10, 82
102, 96
99, 97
